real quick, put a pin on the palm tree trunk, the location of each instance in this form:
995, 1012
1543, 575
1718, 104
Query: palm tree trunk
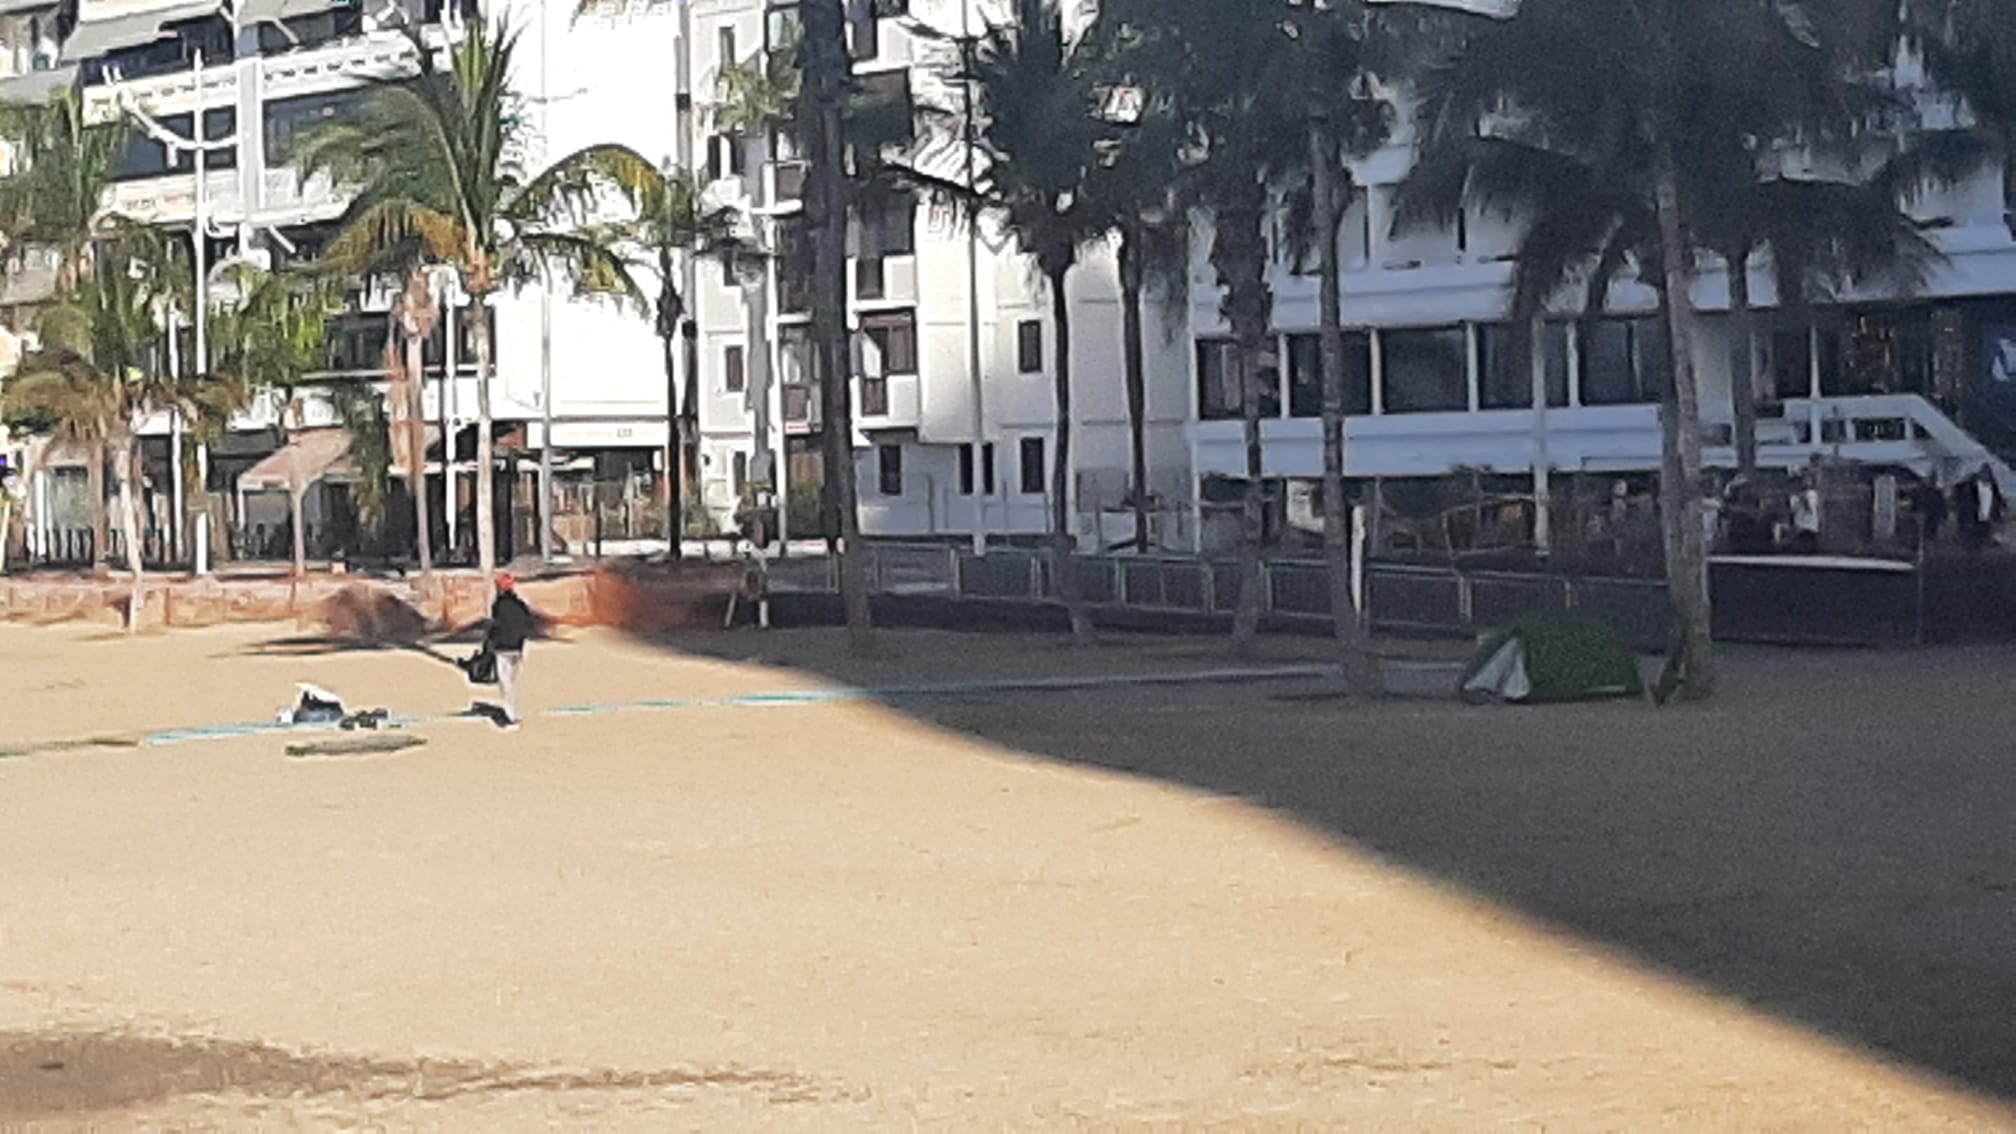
94, 482
486, 473
1136, 377
1063, 571
1239, 250
675, 454
1353, 653
296, 493
416, 471
1687, 558
823, 53
1743, 364
129, 520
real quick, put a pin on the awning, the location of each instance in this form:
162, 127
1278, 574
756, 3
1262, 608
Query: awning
36, 86
251, 12
304, 460
96, 37
10, 7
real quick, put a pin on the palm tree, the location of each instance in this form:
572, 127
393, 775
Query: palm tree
269, 339
1037, 144
1334, 45
414, 315
1601, 182
1969, 48
434, 160
91, 379
1246, 138
673, 221
54, 196
1136, 184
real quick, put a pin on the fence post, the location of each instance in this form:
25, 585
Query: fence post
1571, 595
1466, 606
1210, 586
1120, 596
1036, 577
1267, 585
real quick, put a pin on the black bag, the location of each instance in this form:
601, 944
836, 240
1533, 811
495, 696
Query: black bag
480, 667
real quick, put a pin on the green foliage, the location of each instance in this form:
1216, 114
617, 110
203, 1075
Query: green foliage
363, 415
432, 160
54, 196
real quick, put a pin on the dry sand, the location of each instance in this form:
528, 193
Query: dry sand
809, 917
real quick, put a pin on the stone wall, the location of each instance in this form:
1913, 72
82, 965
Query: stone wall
646, 600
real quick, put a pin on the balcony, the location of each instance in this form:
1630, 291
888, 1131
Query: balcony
801, 408
890, 401
339, 63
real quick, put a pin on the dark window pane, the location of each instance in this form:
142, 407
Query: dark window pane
288, 120
1609, 373
1219, 393
734, 369
987, 468
894, 339
1305, 374
1033, 471
965, 470
1505, 375
889, 469
1791, 361
1654, 357
1029, 346
1427, 370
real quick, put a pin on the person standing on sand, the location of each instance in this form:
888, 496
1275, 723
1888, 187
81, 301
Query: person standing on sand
511, 623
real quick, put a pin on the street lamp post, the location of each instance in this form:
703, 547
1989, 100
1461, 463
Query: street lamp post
198, 146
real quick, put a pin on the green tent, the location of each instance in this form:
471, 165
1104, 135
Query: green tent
1552, 657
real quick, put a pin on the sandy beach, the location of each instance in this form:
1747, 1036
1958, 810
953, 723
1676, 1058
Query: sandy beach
813, 916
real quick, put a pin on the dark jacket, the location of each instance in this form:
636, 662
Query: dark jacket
511, 622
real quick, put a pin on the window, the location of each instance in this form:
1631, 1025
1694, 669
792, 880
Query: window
782, 27
1624, 362
288, 120
965, 470
301, 32
889, 469
1505, 374
725, 38
1029, 346
739, 470
1427, 370
726, 157
864, 36
891, 341
734, 369
1032, 466
1219, 392
1305, 374
987, 468
794, 266
888, 229
885, 9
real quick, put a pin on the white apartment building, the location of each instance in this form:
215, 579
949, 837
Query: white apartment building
954, 421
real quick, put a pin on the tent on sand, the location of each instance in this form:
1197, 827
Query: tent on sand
1552, 657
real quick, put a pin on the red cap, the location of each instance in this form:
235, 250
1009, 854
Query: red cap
506, 580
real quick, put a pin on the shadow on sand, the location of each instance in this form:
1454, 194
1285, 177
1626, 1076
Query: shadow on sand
1828, 840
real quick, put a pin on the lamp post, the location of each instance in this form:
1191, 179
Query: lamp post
198, 146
